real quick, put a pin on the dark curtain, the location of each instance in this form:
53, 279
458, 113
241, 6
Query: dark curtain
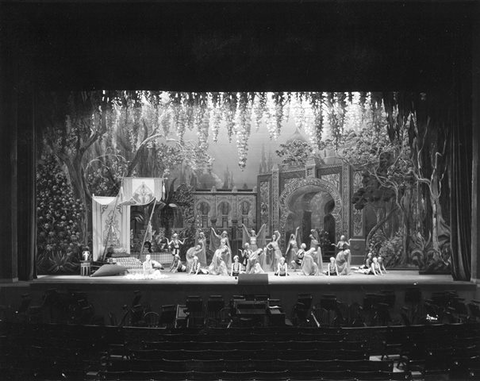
460, 182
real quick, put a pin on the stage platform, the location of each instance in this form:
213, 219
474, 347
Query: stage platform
109, 294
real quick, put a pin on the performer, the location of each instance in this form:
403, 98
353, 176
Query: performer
381, 265
309, 266
196, 268
292, 247
317, 252
255, 240
274, 245
202, 241
282, 268
332, 267
343, 257
178, 266
220, 242
253, 263
298, 260
150, 266
375, 268
174, 244
365, 268
218, 265
191, 254
245, 253
236, 267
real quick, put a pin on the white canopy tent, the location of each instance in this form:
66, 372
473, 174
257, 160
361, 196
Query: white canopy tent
111, 215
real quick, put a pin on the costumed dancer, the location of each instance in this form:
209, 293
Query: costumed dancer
223, 243
317, 252
274, 245
309, 266
332, 267
292, 247
256, 241
196, 267
245, 254
191, 254
381, 264
365, 268
343, 257
253, 263
175, 244
375, 268
298, 260
178, 266
218, 265
202, 241
236, 267
282, 267
151, 267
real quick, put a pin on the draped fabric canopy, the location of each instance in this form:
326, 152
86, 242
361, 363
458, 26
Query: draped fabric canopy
111, 215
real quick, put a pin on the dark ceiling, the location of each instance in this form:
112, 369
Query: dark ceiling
237, 46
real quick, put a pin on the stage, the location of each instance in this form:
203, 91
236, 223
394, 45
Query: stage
109, 294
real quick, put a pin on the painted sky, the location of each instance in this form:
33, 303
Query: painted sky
226, 156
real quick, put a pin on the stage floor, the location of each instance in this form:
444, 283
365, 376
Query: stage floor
393, 277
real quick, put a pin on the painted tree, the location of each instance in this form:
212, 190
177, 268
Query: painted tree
429, 137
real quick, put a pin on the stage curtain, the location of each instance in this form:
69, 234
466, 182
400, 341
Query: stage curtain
460, 183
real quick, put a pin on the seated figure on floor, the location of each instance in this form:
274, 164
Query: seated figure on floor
236, 267
218, 265
309, 266
343, 262
282, 267
332, 267
196, 267
150, 266
298, 259
178, 266
253, 262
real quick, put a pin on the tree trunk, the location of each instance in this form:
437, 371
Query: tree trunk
379, 225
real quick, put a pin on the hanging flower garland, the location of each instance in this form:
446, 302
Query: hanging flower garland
243, 128
316, 100
260, 107
279, 99
215, 99
229, 110
271, 121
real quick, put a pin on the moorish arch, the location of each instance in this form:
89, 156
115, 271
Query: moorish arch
310, 185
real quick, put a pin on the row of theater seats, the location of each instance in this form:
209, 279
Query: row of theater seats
76, 352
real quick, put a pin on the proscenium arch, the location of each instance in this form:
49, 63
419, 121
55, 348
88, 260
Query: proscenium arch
310, 185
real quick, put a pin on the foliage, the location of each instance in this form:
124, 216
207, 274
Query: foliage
58, 214
295, 153
390, 248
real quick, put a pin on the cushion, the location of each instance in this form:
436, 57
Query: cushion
109, 270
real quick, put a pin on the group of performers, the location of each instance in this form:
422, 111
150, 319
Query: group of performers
257, 256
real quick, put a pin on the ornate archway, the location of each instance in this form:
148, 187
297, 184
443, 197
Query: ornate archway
294, 188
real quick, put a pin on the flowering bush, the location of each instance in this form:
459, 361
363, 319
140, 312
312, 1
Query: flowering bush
58, 215
294, 153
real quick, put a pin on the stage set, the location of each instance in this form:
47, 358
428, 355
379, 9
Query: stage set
275, 155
